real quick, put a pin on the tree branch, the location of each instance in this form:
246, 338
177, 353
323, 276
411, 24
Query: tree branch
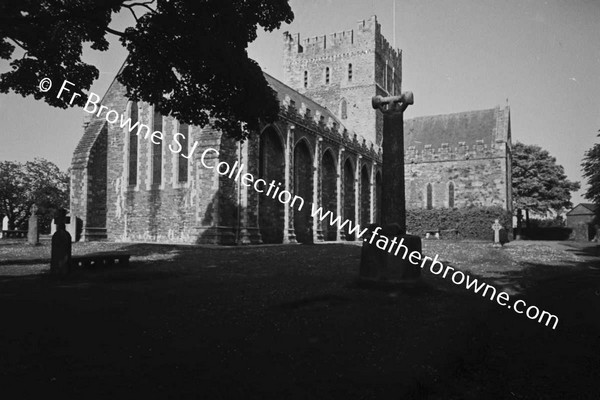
132, 12
116, 33
21, 45
142, 4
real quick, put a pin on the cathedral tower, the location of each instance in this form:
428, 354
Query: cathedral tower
343, 70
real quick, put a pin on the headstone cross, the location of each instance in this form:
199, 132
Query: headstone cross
496, 227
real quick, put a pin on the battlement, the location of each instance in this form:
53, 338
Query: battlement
343, 40
460, 151
383, 46
328, 127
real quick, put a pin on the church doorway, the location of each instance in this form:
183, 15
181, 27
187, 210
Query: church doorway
329, 195
349, 197
365, 197
271, 168
303, 183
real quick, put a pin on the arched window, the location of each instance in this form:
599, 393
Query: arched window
451, 195
349, 72
429, 195
157, 150
133, 145
344, 109
327, 76
305, 79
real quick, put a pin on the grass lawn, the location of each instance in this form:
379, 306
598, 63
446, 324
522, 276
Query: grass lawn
292, 322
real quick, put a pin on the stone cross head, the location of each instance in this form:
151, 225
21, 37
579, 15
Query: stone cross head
496, 226
404, 100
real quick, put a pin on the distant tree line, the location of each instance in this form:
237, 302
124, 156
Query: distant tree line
591, 171
38, 182
539, 184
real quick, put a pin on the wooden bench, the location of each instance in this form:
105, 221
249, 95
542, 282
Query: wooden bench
100, 260
14, 234
429, 232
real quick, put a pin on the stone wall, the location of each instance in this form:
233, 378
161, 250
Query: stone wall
208, 207
480, 180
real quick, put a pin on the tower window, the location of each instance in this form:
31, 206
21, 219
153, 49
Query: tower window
133, 146
349, 72
183, 162
305, 79
429, 196
344, 109
327, 76
157, 150
451, 195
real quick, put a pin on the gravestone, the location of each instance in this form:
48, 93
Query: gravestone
378, 261
60, 256
497, 227
33, 234
52, 227
5, 223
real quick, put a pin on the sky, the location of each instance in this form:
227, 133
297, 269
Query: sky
542, 57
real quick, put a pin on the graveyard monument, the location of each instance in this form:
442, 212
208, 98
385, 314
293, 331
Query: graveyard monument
33, 234
376, 261
60, 256
497, 227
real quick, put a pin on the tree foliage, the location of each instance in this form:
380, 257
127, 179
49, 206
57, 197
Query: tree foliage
539, 184
187, 57
37, 182
591, 171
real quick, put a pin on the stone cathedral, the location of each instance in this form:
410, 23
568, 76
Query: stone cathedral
325, 148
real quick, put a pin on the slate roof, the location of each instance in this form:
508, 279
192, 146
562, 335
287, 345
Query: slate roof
284, 91
465, 127
589, 206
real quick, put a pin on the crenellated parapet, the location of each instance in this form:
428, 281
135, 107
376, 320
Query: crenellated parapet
387, 51
477, 149
337, 41
330, 129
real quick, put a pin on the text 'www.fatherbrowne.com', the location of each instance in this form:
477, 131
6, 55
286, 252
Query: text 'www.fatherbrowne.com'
276, 190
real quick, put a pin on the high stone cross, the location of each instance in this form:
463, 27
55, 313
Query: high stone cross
377, 262
393, 205
497, 227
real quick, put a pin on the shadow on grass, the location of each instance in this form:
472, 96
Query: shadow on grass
285, 322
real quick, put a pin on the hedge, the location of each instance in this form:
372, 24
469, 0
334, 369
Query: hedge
549, 233
461, 223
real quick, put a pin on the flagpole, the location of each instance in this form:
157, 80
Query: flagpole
394, 13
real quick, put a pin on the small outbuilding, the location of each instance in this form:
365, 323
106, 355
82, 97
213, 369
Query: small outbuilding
582, 220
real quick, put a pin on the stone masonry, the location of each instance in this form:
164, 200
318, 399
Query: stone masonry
325, 148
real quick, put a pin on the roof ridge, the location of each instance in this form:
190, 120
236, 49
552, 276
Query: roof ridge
455, 113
